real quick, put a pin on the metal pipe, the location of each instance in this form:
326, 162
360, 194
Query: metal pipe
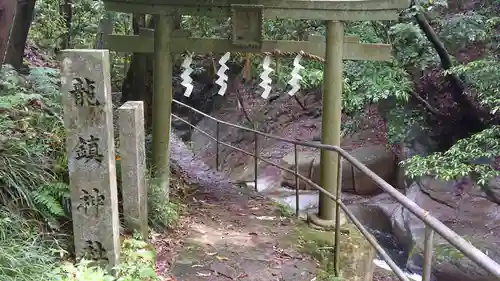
428, 248
256, 160
353, 179
336, 259
297, 181
217, 133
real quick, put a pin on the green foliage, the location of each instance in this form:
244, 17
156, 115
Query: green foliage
493, 25
48, 26
162, 212
204, 26
371, 82
462, 159
460, 30
447, 252
284, 211
137, 264
400, 119
484, 78
411, 47
48, 29
24, 254
32, 136
473, 33
52, 200
84, 271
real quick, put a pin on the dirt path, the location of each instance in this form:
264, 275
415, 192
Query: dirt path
229, 233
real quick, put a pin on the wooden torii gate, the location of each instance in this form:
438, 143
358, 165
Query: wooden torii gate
247, 36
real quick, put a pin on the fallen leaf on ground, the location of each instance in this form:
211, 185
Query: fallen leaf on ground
221, 258
243, 275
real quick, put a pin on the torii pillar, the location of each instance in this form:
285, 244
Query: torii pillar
331, 120
162, 101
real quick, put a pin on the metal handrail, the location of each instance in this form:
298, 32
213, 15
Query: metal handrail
432, 224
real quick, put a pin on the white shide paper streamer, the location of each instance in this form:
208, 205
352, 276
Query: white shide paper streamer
266, 81
296, 78
186, 75
222, 76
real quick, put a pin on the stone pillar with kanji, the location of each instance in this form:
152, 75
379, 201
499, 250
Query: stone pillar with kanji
86, 95
133, 166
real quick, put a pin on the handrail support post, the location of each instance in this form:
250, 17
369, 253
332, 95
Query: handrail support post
297, 181
256, 160
428, 249
217, 135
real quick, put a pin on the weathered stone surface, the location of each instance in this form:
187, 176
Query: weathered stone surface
376, 157
133, 166
308, 166
7, 15
356, 253
88, 120
470, 215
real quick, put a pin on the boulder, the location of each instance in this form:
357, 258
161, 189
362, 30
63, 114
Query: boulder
356, 253
376, 157
308, 166
470, 214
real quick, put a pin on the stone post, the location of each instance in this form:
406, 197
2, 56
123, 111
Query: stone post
86, 92
133, 166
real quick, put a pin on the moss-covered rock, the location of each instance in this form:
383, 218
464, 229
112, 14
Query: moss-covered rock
356, 253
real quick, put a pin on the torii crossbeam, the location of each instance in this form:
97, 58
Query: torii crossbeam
247, 36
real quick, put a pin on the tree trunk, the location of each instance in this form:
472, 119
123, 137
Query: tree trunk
467, 114
66, 11
138, 21
7, 15
138, 83
19, 33
105, 28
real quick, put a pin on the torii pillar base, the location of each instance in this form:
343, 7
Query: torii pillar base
326, 225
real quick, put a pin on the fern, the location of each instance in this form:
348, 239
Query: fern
52, 200
32, 143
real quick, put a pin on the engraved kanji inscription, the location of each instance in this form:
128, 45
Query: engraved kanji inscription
88, 149
93, 199
94, 250
84, 92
